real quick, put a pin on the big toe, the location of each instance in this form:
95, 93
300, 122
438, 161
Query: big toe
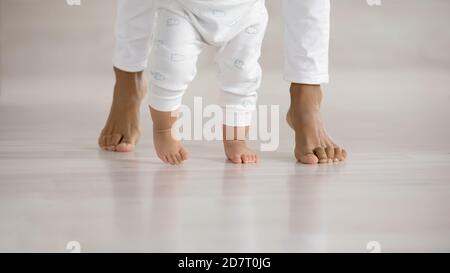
112, 141
308, 159
125, 147
127, 144
236, 159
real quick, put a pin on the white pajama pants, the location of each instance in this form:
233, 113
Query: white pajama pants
306, 40
180, 35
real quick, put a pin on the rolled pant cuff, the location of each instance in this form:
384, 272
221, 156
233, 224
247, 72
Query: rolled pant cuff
129, 67
237, 118
307, 79
164, 100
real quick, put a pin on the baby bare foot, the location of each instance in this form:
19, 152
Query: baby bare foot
168, 149
312, 143
235, 147
121, 132
238, 152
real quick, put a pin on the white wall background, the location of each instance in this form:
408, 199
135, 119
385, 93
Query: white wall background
49, 37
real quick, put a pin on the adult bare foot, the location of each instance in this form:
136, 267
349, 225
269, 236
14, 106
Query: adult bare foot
121, 132
168, 149
235, 147
312, 144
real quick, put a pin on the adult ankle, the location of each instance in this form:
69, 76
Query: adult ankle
305, 96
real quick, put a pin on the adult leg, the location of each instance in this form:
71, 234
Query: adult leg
307, 31
134, 24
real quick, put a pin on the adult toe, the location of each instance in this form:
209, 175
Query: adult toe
330, 153
338, 154
308, 158
321, 154
102, 142
127, 144
236, 159
344, 154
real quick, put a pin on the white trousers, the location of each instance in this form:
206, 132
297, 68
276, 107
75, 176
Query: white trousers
306, 38
180, 34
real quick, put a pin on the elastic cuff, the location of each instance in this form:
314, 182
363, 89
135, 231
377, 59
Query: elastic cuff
164, 100
237, 118
307, 79
130, 67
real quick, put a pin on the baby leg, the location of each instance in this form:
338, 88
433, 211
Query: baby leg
174, 56
235, 147
168, 149
240, 77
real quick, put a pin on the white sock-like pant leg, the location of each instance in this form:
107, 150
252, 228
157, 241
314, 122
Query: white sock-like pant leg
307, 33
177, 44
240, 72
173, 59
133, 33
306, 38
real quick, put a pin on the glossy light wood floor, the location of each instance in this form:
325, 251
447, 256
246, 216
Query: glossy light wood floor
56, 186
390, 111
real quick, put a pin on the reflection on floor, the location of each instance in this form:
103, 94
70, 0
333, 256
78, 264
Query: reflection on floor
387, 103
56, 186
